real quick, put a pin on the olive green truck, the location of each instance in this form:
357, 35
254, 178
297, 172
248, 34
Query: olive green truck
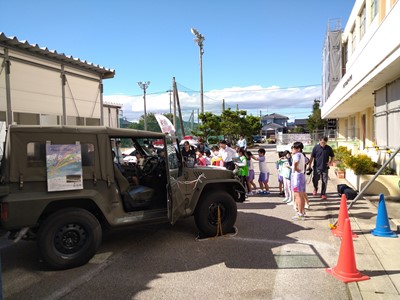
62, 187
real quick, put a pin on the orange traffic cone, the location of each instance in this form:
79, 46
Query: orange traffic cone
343, 215
346, 269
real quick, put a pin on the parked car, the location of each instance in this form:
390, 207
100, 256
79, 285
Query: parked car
258, 139
61, 188
129, 156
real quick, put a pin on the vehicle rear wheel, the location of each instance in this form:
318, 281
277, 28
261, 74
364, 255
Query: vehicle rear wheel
69, 238
206, 214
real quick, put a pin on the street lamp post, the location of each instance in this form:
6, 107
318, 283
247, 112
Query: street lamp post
199, 40
144, 85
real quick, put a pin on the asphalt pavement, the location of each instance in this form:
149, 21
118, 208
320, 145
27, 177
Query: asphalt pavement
269, 257
375, 256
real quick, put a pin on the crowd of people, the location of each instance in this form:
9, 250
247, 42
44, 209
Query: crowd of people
292, 168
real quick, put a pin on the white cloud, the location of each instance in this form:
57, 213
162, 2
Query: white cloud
295, 103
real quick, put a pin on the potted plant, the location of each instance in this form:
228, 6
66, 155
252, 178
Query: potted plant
341, 154
361, 169
340, 170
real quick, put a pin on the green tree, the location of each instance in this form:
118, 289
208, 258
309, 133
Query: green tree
152, 124
254, 127
231, 123
298, 130
210, 126
314, 121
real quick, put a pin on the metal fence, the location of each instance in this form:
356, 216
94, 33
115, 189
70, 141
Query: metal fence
305, 138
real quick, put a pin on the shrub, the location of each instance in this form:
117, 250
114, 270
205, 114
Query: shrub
341, 153
341, 166
361, 164
388, 171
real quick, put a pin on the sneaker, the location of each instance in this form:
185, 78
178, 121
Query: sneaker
306, 206
259, 191
290, 202
323, 196
299, 217
314, 192
266, 192
286, 200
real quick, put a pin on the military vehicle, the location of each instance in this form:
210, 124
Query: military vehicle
62, 187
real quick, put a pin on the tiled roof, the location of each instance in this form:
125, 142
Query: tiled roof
271, 126
300, 121
25, 46
274, 116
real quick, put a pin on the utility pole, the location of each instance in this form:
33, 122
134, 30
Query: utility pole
144, 85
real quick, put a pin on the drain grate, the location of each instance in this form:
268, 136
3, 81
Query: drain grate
298, 261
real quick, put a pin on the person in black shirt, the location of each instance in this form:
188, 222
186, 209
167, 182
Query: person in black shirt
322, 156
188, 154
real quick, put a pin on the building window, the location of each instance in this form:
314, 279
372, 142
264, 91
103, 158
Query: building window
345, 54
387, 115
353, 40
352, 129
362, 22
374, 9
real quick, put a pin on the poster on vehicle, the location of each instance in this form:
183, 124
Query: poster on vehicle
64, 167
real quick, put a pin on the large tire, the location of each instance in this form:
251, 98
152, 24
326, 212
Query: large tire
69, 238
206, 214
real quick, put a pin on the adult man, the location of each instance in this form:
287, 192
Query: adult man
227, 153
241, 143
322, 156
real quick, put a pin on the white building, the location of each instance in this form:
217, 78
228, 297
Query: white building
366, 97
39, 86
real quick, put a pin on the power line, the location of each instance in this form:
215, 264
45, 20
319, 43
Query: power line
238, 91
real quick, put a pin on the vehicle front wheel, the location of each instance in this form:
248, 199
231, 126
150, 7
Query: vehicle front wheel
207, 216
69, 238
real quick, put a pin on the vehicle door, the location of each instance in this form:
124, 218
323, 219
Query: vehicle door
176, 198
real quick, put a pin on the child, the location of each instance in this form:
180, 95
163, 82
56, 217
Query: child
298, 180
201, 161
279, 165
263, 178
208, 157
250, 179
216, 160
306, 162
243, 168
286, 175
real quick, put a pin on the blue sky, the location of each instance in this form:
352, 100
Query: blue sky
261, 55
